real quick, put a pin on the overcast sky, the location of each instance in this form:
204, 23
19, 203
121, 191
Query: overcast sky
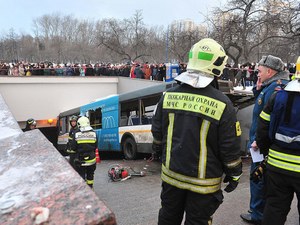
19, 14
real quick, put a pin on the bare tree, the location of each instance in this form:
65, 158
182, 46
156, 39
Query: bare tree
27, 50
156, 44
126, 38
11, 46
248, 28
181, 38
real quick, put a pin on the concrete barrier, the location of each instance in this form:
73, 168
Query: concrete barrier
34, 176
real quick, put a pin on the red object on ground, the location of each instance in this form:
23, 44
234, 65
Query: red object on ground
124, 174
98, 160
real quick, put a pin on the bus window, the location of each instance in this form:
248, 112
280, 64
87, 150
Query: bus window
148, 107
145, 120
123, 121
149, 110
134, 120
129, 113
96, 118
139, 111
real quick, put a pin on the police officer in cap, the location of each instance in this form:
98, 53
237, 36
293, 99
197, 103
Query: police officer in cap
277, 137
271, 77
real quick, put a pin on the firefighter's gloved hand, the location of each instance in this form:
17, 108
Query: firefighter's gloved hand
70, 151
233, 182
258, 173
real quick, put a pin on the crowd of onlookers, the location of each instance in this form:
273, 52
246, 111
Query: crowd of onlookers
245, 74
133, 70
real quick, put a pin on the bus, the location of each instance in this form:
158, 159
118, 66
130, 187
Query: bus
122, 122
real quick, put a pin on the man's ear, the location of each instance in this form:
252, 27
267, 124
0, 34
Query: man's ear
270, 72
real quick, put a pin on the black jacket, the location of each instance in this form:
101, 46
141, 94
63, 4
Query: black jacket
70, 139
200, 138
281, 159
138, 72
85, 144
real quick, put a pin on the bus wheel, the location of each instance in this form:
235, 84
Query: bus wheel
129, 149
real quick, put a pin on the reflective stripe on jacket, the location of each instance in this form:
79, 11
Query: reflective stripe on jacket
85, 144
277, 136
200, 138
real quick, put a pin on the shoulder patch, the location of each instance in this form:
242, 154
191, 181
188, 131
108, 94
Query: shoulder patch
259, 101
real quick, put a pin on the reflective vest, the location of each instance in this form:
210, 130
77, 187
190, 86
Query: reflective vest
284, 133
285, 120
86, 143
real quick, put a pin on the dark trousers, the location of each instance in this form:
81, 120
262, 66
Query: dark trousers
280, 193
198, 208
71, 161
87, 173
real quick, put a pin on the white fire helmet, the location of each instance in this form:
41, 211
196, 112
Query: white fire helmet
207, 59
294, 85
84, 124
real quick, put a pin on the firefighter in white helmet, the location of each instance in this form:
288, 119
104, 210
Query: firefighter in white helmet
84, 144
277, 136
196, 129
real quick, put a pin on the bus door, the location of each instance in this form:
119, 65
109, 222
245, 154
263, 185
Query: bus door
63, 134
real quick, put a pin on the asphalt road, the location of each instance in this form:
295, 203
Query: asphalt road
136, 201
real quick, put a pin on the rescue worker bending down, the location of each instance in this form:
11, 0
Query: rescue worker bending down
277, 136
85, 144
196, 128
69, 151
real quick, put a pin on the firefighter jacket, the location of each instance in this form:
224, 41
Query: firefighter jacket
278, 133
69, 150
85, 144
200, 138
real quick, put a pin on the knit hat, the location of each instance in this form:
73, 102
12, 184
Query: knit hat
272, 62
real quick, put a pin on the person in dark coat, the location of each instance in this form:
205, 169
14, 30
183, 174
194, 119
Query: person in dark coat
138, 72
271, 77
89, 70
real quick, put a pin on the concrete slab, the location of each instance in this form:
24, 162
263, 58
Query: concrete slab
8, 124
33, 174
